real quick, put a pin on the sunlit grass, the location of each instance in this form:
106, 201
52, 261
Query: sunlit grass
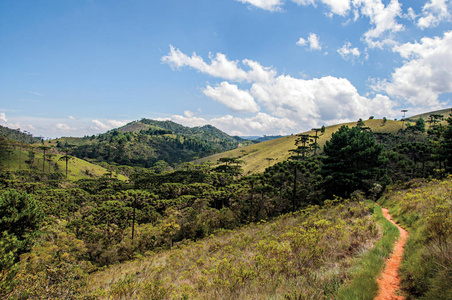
77, 168
260, 156
298, 256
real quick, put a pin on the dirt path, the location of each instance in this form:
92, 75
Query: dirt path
389, 282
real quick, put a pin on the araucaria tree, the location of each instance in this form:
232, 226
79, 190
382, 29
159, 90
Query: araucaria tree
352, 162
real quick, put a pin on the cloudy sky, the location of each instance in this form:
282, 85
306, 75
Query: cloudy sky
248, 67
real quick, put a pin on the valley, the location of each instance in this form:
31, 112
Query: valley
156, 210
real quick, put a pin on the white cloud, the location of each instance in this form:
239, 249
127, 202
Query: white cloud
288, 102
425, 74
384, 19
312, 102
313, 41
270, 5
188, 119
219, 65
261, 123
64, 127
302, 42
348, 53
3, 117
71, 118
108, 124
232, 97
433, 13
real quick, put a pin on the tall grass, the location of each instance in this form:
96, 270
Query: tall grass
425, 210
304, 255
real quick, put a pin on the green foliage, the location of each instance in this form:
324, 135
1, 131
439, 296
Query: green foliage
17, 135
8, 265
352, 162
20, 215
152, 141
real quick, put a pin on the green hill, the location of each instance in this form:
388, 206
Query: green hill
16, 159
145, 142
17, 135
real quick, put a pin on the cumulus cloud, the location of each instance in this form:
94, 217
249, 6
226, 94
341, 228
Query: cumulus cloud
384, 20
3, 117
64, 127
108, 124
433, 13
270, 5
382, 17
425, 74
261, 123
219, 66
312, 41
232, 97
348, 53
312, 102
288, 103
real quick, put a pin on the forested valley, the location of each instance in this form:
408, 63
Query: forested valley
175, 229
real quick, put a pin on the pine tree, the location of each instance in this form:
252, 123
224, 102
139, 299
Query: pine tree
352, 162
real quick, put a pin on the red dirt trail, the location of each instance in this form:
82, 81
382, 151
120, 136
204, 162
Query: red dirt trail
389, 282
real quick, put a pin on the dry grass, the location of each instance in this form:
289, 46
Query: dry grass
258, 157
298, 256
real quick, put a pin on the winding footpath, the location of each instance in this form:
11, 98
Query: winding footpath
389, 282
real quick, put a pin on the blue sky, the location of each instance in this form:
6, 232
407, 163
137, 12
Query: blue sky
248, 67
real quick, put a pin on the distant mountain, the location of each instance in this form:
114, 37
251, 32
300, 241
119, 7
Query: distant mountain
145, 142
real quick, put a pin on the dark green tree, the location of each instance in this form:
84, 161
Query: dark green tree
21, 216
446, 146
352, 162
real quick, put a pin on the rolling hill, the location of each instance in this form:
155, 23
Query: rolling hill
145, 142
259, 156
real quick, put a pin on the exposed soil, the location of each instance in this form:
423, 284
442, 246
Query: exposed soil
389, 282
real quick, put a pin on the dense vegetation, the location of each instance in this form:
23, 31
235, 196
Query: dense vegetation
17, 135
144, 143
70, 229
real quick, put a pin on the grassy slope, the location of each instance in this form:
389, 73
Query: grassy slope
77, 168
444, 112
256, 156
297, 256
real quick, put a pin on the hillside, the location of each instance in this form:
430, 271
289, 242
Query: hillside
259, 156
17, 135
145, 142
303, 255
205, 231
445, 112
77, 168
